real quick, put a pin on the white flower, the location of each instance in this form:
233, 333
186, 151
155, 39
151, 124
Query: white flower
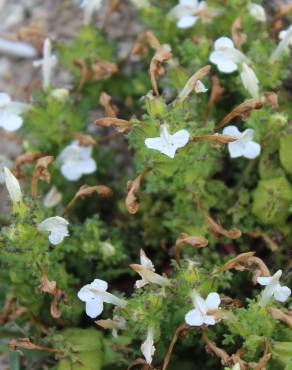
76, 161
147, 347
48, 63
89, 7
60, 94
286, 40
244, 146
9, 113
57, 228
199, 315
226, 56
250, 81
12, 186
185, 12
147, 271
200, 87
257, 12
273, 288
167, 143
94, 295
4, 162
52, 198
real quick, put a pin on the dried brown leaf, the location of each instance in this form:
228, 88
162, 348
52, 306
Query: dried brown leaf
191, 83
133, 188
272, 99
215, 138
33, 35
23, 159
181, 330
25, 343
247, 261
110, 109
238, 37
216, 228
142, 43
50, 287
211, 347
216, 93
194, 241
40, 172
84, 73
86, 191
243, 110
120, 125
102, 69
83, 139
278, 314
156, 69
11, 311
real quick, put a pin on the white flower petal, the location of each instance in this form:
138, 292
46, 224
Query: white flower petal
70, 171
180, 138
154, 143
88, 166
147, 348
264, 280
257, 12
93, 308
223, 43
52, 198
4, 99
228, 66
194, 318
58, 228
231, 131
282, 293
235, 149
85, 294
213, 301
209, 320
11, 123
189, 3
251, 150
99, 284
187, 21
12, 186
56, 237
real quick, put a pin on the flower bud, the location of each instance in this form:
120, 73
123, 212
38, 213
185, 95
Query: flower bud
12, 186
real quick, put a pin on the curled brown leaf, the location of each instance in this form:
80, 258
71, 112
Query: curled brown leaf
191, 83
243, 110
238, 37
133, 187
278, 314
247, 261
22, 160
157, 70
11, 311
120, 125
142, 43
86, 191
216, 228
268, 240
50, 287
83, 139
110, 109
211, 347
33, 35
215, 138
40, 172
194, 241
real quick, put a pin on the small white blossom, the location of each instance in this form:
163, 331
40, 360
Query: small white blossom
95, 295
147, 272
199, 315
12, 186
244, 146
47, 64
89, 7
10, 111
226, 56
147, 348
52, 198
286, 40
57, 228
4, 162
273, 288
167, 143
185, 12
76, 161
257, 12
250, 80
200, 87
